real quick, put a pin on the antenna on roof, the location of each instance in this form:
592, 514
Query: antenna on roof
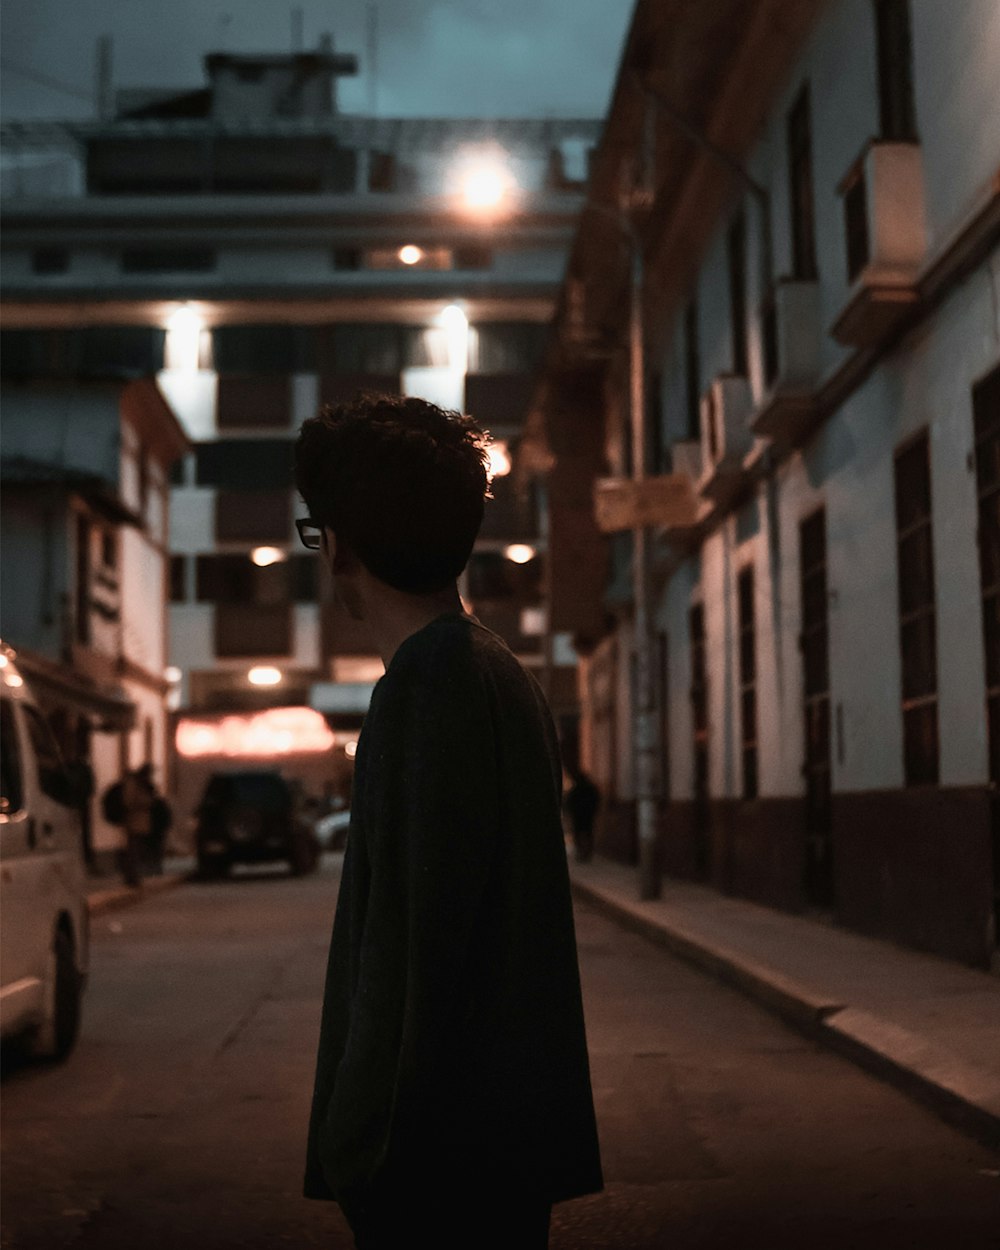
372, 16
296, 18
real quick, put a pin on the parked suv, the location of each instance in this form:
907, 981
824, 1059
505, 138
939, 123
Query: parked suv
252, 818
45, 944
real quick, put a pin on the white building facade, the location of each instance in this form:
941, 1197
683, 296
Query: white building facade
823, 352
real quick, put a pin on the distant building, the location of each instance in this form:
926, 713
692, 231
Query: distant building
261, 253
819, 215
83, 565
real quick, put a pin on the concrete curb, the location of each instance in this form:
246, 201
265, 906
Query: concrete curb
963, 1095
116, 897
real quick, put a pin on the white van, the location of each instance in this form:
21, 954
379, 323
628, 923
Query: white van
44, 921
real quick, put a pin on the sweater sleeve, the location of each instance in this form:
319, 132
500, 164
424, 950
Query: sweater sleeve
430, 850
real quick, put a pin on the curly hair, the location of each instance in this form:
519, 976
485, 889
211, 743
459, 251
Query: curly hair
403, 481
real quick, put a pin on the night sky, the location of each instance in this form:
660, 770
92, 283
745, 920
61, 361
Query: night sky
474, 58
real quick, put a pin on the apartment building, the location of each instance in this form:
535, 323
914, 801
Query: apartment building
262, 254
813, 191
84, 540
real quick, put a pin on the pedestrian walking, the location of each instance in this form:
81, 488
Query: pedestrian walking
452, 1101
129, 803
582, 802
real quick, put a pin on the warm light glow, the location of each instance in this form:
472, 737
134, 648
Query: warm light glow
173, 674
453, 318
3, 661
411, 254
278, 731
263, 556
351, 748
183, 346
14, 679
484, 180
520, 553
264, 675
499, 460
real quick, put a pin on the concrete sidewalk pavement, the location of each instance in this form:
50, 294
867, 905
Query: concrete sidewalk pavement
108, 894
930, 1026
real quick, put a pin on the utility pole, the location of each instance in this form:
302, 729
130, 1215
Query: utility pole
646, 746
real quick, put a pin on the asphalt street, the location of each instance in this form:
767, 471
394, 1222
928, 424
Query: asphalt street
179, 1121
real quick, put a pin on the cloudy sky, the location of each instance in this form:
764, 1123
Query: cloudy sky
470, 58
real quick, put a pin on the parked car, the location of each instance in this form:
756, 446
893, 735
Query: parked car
332, 829
252, 817
45, 947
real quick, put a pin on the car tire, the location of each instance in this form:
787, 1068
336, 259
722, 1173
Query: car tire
56, 1036
304, 857
212, 867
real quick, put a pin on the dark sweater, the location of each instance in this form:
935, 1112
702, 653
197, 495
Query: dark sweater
452, 1049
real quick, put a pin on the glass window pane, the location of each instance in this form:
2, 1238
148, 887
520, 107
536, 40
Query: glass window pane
919, 657
920, 744
916, 570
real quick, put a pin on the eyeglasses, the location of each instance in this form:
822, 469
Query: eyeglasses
310, 533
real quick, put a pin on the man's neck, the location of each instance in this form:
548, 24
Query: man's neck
393, 615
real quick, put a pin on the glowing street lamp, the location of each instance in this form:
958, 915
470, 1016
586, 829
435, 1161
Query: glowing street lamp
484, 180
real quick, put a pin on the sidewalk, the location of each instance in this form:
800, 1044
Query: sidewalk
110, 893
930, 1026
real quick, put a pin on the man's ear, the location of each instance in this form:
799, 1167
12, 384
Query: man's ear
338, 555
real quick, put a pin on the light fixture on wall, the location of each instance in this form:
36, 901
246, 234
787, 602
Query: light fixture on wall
264, 675
499, 460
264, 556
182, 351
410, 254
520, 553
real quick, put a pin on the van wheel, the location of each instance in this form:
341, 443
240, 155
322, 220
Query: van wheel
55, 1037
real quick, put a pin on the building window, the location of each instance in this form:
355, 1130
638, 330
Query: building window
814, 644
748, 681
800, 186
263, 349
986, 426
473, 258
167, 260
251, 630
736, 252
381, 171
109, 549
692, 373
253, 516
895, 70
856, 222
917, 622
46, 260
699, 735
83, 575
254, 402
655, 443
178, 579
245, 464
347, 258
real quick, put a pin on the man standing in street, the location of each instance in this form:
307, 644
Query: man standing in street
452, 1101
